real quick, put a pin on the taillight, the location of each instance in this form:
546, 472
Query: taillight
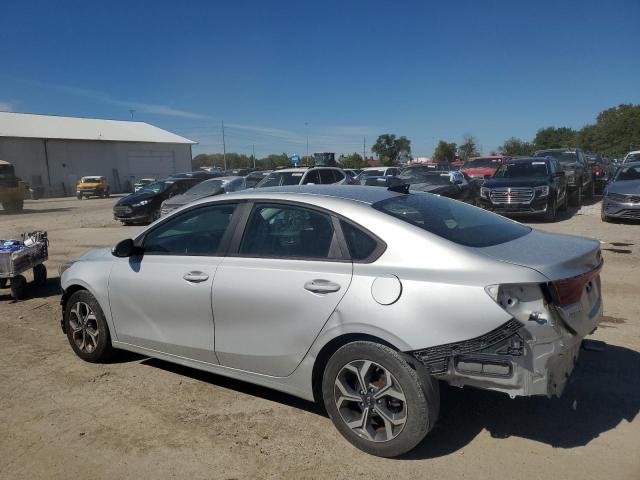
597, 170
569, 290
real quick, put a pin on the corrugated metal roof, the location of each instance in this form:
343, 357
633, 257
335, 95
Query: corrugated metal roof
28, 125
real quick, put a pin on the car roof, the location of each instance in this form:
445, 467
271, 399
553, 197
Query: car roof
288, 170
381, 167
528, 159
356, 193
632, 152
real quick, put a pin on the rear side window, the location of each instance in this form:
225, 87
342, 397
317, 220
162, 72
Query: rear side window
327, 176
288, 231
360, 244
454, 221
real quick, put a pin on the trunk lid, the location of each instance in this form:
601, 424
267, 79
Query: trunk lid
572, 265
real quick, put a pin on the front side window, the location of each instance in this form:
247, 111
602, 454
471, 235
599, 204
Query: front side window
278, 179
194, 232
288, 231
454, 221
312, 177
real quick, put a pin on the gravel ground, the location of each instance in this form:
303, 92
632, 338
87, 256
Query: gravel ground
144, 418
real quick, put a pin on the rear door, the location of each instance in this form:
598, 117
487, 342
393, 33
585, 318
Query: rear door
273, 295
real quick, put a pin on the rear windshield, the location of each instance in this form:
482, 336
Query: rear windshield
90, 179
632, 157
277, 179
452, 220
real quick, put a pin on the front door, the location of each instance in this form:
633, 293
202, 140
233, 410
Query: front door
272, 298
161, 300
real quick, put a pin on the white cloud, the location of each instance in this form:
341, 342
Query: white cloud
6, 107
141, 107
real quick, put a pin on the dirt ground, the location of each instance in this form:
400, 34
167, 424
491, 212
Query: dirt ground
141, 418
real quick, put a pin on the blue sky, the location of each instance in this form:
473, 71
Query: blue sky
350, 69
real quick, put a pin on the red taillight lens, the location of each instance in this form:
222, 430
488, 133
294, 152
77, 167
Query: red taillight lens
597, 170
569, 290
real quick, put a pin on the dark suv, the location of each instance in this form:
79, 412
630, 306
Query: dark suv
579, 173
144, 205
526, 186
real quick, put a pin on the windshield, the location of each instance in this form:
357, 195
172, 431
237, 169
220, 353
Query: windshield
277, 179
452, 220
522, 170
155, 187
561, 155
372, 173
90, 179
429, 178
632, 157
205, 188
631, 172
483, 163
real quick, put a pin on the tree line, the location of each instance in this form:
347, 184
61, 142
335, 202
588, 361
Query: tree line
615, 132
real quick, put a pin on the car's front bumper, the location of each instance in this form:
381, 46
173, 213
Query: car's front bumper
127, 213
615, 209
536, 207
88, 190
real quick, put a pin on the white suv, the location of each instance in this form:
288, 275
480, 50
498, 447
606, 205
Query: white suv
305, 176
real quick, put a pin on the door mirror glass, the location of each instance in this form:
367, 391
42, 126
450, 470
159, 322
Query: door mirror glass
124, 248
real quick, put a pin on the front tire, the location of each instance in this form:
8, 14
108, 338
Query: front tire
552, 211
86, 328
18, 287
576, 197
377, 401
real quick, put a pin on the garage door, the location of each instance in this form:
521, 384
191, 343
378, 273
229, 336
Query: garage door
151, 164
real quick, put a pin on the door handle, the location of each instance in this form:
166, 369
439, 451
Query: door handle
196, 277
321, 286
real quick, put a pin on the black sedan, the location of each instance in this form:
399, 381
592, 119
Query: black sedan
526, 186
144, 205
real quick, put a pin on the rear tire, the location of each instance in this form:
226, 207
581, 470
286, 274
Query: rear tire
13, 206
86, 328
40, 275
591, 189
18, 287
3, 282
79, 196
392, 412
565, 203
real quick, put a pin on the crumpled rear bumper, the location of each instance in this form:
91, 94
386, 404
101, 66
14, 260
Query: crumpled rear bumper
524, 360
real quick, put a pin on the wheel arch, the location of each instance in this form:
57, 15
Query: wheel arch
70, 290
333, 346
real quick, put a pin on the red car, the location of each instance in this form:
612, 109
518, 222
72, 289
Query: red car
480, 167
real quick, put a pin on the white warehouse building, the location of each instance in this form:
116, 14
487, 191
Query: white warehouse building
52, 153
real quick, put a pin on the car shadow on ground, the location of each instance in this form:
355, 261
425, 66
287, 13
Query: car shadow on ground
50, 289
562, 214
603, 391
29, 211
237, 385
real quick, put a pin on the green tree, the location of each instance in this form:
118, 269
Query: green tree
389, 148
468, 148
514, 147
552, 137
444, 152
354, 160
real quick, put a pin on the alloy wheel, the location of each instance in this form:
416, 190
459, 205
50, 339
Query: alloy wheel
84, 327
370, 400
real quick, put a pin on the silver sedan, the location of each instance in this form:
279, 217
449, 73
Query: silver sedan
360, 298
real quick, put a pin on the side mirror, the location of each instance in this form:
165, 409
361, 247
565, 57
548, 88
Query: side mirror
124, 248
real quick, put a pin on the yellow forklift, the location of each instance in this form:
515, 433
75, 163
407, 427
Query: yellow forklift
12, 189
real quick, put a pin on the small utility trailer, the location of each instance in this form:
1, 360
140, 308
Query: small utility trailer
18, 256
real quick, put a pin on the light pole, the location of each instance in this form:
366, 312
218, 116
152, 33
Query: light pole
306, 126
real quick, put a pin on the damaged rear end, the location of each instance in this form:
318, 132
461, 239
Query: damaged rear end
535, 352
